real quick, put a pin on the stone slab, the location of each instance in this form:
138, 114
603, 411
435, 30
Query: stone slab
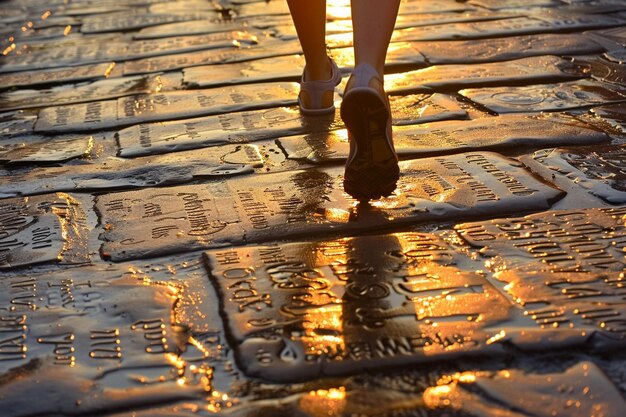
149, 223
546, 97
563, 241
185, 104
599, 171
97, 115
165, 106
451, 77
262, 9
285, 30
617, 35
424, 108
241, 127
303, 310
42, 229
476, 30
615, 115
92, 52
194, 27
270, 69
37, 149
77, 93
504, 49
17, 123
515, 26
56, 76
514, 4
87, 340
125, 21
562, 20
579, 391
218, 56
604, 69
306, 310
506, 131
111, 173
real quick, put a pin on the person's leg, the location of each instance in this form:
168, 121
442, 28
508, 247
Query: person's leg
309, 18
372, 166
373, 23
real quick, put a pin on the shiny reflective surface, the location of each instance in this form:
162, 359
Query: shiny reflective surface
175, 241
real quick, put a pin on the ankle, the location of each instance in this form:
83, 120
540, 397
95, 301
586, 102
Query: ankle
320, 71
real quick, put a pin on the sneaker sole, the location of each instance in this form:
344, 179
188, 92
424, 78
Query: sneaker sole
372, 172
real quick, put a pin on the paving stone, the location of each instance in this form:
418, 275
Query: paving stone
42, 149
191, 59
494, 28
581, 390
600, 171
269, 69
617, 35
127, 111
615, 115
241, 127
399, 54
513, 4
57, 76
111, 173
124, 21
585, 241
504, 49
358, 293
419, 7
561, 20
504, 131
424, 108
17, 123
286, 30
87, 340
255, 9
302, 310
194, 27
547, 97
78, 93
309, 202
449, 77
32, 34
39, 229
96, 52
604, 69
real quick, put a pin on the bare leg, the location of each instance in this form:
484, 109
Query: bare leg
372, 169
309, 18
373, 22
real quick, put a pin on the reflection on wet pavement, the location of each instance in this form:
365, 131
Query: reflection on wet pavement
175, 239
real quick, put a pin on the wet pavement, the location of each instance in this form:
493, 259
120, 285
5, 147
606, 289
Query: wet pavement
175, 240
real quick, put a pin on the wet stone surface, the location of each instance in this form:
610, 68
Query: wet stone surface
302, 310
57, 76
241, 127
566, 241
503, 49
547, 97
175, 239
309, 201
600, 171
43, 229
26, 149
506, 131
164, 106
524, 70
